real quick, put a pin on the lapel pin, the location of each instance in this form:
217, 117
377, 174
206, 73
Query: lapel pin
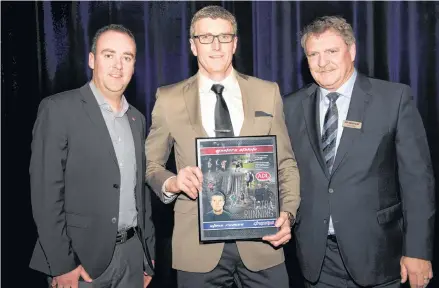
134, 119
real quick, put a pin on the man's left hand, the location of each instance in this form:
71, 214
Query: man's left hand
146, 278
418, 271
284, 234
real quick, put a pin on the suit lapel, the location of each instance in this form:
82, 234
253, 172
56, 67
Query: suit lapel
136, 131
357, 108
93, 110
192, 99
311, 113
249, 113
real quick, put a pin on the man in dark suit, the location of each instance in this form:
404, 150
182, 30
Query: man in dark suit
367, 212
87, 168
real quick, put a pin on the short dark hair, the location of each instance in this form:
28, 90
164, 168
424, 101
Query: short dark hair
218, 193
112, 27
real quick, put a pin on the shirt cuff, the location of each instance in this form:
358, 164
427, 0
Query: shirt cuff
168, 197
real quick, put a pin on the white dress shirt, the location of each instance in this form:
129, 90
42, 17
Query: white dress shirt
342, 102
233, 97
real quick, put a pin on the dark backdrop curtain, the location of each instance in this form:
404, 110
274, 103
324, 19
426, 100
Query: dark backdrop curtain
45, 49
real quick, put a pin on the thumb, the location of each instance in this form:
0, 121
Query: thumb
85, 276
403, 273
279, 222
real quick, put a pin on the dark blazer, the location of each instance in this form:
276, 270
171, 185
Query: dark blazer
381, 191
75, 183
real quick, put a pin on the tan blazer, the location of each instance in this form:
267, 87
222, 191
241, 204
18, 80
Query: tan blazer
176, 121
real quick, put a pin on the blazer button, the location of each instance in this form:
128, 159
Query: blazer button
116, 186
331, 190
325, 221
113, 220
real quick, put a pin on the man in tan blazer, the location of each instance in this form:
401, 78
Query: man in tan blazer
189, 109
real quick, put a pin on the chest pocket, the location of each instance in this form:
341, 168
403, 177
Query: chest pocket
262, 122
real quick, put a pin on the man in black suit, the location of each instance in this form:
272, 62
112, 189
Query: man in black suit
367, 212
87, 169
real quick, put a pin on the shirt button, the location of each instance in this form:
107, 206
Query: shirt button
331, 190
116, 186
119, 139
113, 220
120, 164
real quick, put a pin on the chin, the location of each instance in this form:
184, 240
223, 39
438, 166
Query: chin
327, 83
115, 88
217, 70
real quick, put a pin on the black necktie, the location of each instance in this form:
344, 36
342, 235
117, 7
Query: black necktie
223, 124
329, 131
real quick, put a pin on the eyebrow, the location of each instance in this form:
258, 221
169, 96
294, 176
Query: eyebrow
112, 51
328, 49
332, 48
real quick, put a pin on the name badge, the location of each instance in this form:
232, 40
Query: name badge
352, 124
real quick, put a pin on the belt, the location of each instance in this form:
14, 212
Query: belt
332, 238
125, 235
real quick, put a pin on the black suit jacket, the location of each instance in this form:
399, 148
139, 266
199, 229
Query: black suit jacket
381, 191
75, 183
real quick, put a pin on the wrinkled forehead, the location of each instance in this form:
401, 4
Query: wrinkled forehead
324, 40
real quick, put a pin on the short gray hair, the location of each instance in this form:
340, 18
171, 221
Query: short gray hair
213, 12
325, 23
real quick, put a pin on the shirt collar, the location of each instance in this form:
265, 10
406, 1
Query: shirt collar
102, 102
205, 83
344, 90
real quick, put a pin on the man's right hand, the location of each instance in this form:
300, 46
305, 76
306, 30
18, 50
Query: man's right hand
188, 180
71, 278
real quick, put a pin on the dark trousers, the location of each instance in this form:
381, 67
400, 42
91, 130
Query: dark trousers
230, 270
335, 275
125, 269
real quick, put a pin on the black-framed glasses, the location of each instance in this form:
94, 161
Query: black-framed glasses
208, 38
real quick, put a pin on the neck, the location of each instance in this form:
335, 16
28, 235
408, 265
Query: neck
113, 98
217, 76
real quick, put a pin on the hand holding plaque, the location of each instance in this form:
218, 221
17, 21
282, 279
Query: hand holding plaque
239, 195
188, 181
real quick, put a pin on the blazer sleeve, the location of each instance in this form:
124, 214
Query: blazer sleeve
158, 147
48, 161
416, 179
289, 180
149, 224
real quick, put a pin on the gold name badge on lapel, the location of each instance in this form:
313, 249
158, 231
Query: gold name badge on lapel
352, 124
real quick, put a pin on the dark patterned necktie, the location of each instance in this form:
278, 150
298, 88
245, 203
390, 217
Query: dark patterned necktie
223, 124
329, 131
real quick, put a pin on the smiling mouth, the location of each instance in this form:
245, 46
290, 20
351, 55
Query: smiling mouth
115, 75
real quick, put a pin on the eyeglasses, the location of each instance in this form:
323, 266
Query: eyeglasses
208, 38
